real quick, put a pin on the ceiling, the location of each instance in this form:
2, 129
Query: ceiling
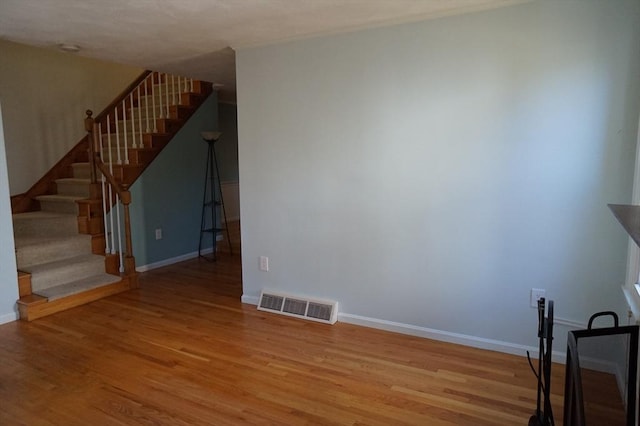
197, 38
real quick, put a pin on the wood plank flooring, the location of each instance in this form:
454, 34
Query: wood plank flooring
183, 350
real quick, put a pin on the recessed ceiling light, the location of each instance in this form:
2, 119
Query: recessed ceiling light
70, 48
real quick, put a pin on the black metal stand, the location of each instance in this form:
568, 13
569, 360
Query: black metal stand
574, 405
544, 413
212, 200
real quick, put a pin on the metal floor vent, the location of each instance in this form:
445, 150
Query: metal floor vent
312, 309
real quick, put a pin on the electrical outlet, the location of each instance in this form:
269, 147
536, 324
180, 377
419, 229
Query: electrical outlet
264, 263
536, 293
159, 234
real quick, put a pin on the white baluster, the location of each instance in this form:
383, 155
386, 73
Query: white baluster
133, 122
124, 125
113, 237
155, 129
103, 180
161, 113
153, 99
146, 102
166, 92
191, 90
173, 88
139, 118
118, 137
109, 152
117, 206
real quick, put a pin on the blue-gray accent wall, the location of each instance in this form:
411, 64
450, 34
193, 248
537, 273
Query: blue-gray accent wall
168, 195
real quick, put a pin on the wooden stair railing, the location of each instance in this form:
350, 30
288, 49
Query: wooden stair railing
122, 195
120, 143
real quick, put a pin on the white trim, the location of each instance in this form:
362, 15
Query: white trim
633, 251
11, 317
569, 323
171, 261
444, 336
466, 340
633, 307
250, 300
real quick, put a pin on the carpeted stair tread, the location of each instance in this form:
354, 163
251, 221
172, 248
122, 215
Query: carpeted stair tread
60, 197
51, 274
74, 180
78, 286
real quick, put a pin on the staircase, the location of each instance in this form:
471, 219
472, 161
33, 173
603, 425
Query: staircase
66, 256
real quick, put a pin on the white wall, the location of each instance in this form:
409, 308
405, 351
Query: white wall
428, 175
45, 94
8, 274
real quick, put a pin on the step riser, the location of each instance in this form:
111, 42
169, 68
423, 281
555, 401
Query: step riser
58, 207
73, 188
81, 171
66, 273
55, 227
71, 288
40, 307
53, 251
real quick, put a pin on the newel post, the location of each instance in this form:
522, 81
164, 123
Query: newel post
129, 260
88, 126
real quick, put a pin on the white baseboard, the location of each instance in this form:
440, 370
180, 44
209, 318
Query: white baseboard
171, 261
444, 336
463, 339
429, 333
10, 317
250, 300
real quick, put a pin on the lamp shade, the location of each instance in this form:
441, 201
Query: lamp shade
210, 136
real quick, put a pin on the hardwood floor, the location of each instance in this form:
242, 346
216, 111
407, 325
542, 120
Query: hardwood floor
183, 350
